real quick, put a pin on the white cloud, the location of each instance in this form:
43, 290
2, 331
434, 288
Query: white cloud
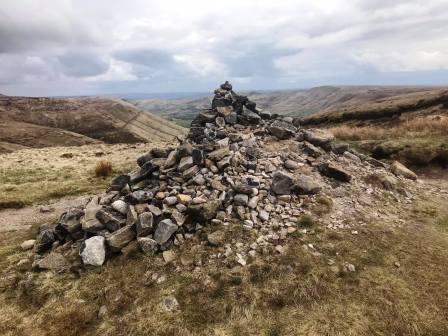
193, 45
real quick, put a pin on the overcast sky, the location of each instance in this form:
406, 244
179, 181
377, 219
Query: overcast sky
72, 47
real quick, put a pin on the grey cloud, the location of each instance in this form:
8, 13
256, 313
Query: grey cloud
83, 64
246, 58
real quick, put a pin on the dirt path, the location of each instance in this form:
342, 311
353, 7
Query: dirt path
23, 219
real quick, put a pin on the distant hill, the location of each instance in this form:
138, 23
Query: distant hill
411, 127
298, 103
42, 122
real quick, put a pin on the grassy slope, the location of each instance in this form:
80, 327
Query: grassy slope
412, 128
74, 121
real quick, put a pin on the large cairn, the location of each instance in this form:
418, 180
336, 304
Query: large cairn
222, 173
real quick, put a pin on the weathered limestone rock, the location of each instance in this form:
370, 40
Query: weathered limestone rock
282, 183
145, 224
111, 221
336, 172
120, 238
400, 170
90, 223
218, 154
148, 245
94, 251
165, 229
71, 220
282, 129
306, 185
319, 137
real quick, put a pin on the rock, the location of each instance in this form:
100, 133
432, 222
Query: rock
220, 122
232, 118
336, 172
148, 245
90, 223
282, 183
243, 188
53, 261
120, 206
224, 163
132, 216
170, 200
216, 238
253, 202
282, 129
165, 229
178, 217
218, 154
184, 199
351, 157
145, 224
155, 210
400, 170
197, 156
110, 220
305, 185
199, 180
139, 196
171, 160
44, 241
290, 164
263, 215
340, 148
120, 182
241, 199
319, 137
169, 256
94, 251
249, 118
185, 163
27, 244
224, 111
141, 160
204, 211
170, 304
120, 238
311, 150
190, 172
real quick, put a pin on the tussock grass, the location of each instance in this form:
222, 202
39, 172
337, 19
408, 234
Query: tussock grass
103, 168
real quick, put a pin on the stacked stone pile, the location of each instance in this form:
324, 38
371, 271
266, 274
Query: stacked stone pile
238, 165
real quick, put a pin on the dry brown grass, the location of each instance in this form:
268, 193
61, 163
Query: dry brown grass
103, 168
434, 125
36, 175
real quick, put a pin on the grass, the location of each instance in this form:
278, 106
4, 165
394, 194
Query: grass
419, 127
49, 175
295, 293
